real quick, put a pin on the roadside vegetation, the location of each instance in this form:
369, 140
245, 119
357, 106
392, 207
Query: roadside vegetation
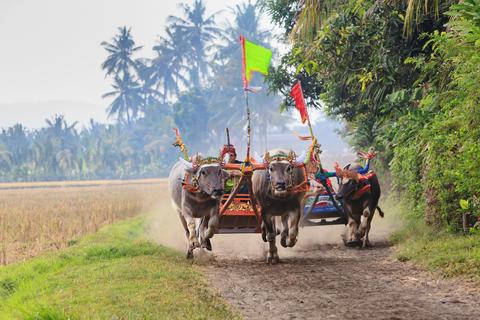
37, 217
439, 251
113, 274
403, 77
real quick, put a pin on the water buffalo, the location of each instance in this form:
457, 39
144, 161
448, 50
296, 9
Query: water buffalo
276, 190
196, 190
360, 195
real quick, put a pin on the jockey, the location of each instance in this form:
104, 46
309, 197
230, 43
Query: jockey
314, 173
229, 155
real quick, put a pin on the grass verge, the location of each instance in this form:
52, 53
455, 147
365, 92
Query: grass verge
438, 251
113, 274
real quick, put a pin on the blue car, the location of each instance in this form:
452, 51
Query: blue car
326, 211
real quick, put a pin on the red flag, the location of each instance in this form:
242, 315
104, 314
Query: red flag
297, 95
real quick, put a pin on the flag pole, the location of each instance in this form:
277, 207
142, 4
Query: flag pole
248, 125
311, 129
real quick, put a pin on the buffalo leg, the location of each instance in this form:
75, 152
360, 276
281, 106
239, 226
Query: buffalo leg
272, 256
367, 217
184, 223
192, 237
352, 232
284, 234
204, 241
264, 232
187, 233
263, 226
293, 220
212, 223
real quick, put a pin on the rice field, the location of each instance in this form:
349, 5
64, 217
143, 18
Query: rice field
36, 217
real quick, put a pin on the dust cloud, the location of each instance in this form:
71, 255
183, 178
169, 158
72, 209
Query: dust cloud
164, 227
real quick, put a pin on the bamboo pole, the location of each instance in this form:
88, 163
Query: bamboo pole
247, 159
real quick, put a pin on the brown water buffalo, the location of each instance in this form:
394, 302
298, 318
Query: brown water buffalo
360, 195
196, 191
276, 191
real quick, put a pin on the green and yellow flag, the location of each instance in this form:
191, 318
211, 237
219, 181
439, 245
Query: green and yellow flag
254, 58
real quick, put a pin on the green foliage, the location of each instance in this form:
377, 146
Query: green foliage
61, 151
355, 69
448, 139
282, 12
121, 65
195, 129
414, 98
449, 254
46, 313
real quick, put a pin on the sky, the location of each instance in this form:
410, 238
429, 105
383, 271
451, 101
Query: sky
50, 53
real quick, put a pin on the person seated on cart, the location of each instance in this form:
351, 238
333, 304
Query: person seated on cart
315, 173
323, 177
229, 155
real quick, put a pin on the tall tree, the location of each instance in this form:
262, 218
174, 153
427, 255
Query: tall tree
198, 31
127, 101
120, 60
121, 64
172, 54
227, 100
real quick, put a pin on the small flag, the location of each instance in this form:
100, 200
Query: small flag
297, 95
254, 58
302, 138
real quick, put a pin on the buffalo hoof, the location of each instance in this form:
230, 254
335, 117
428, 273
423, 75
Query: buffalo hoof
283, 242
273, 260
207, 245
264, 235
353, 243
194, 244
366, 244
292, 243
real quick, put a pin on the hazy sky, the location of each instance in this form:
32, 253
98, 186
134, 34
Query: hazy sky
50, 53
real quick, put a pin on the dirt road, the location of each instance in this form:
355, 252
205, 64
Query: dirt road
332, 282
321, 279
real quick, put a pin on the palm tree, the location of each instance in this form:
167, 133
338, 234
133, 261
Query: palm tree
6, 157
148, 83
246, 23
227, 100
16, 140
121, 49
121, 64
311, 16
198, 32
63, 146
312, 13
170, 62
127, 101
418, 10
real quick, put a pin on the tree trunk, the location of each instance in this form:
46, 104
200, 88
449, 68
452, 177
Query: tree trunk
128, 117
